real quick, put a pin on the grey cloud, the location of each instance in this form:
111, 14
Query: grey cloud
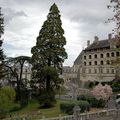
10, 14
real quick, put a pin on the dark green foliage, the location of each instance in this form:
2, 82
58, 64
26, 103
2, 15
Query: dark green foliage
92, 100
116, 85
47, 100
1, 41
67, 107
48, 55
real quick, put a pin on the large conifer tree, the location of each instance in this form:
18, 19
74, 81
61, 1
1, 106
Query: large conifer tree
1, 51
49, 53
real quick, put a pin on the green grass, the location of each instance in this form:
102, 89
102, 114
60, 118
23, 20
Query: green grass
34, 112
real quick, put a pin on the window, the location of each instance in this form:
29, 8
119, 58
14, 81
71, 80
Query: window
101, 62
83, 70
112, 54
113, 71
117, 54
101, 70
95, 56
101, 55
90, 56
90, 63
108, 55
107, 70
85, 63
89, 70
95, 62
85, 57
95, 70
108, 62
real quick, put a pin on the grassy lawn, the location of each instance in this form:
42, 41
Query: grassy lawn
33, 111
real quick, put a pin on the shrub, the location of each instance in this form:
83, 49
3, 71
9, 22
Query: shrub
67, 107
7, 98
92, 100
47, 100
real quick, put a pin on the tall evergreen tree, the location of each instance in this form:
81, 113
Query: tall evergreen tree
1, 51
49, 53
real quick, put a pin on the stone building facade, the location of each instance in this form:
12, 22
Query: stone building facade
94, 63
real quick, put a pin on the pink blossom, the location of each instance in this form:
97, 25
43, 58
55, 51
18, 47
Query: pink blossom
102, 92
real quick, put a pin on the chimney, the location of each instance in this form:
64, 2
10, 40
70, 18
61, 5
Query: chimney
96, 39
88, 43
109, 36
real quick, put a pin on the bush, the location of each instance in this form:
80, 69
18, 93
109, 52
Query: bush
7, 98
46, 99
116, 86
67, 107
92, 100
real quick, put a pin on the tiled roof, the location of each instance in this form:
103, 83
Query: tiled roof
78, 59
99, 44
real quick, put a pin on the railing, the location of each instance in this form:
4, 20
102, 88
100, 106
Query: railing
87, 116
82, 116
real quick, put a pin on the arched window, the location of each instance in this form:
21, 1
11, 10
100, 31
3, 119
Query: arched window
95, 62
112, 54
101, 55
84, 63
90, 63
90, 56
117, 54
108, 62
95, 56
108, 54
101, 62
85, 57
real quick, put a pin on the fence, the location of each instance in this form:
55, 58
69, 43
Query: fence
87, 116
78, 116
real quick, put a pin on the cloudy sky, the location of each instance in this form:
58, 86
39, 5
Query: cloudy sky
82, 20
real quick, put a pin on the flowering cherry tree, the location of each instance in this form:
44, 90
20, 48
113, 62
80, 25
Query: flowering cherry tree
102, 92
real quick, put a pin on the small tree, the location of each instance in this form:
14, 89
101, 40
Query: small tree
14, 73
48, 54
102, 92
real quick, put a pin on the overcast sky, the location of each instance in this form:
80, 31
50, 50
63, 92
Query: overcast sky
82, 20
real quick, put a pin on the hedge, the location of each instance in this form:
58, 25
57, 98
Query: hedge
92, 100
67, 107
